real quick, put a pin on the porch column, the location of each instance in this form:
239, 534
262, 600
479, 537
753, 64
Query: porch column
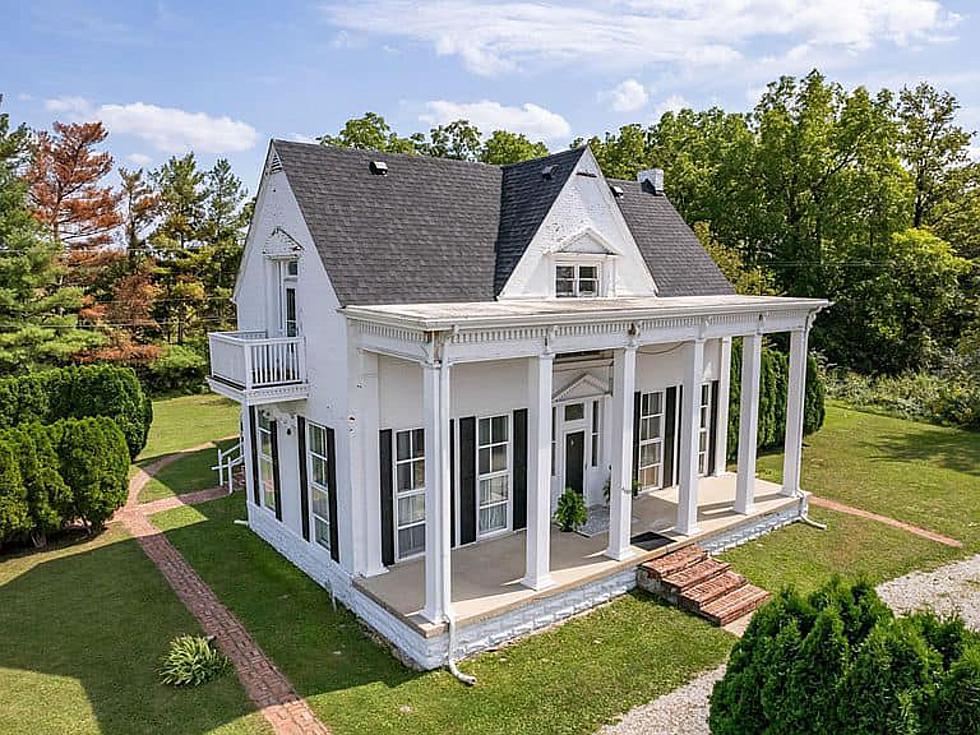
435, 416
748, 423
724, 393
537, 551
621, 478
795, 396
366, 433
687, 496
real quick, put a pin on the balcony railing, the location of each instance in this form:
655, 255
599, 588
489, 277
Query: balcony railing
251, 360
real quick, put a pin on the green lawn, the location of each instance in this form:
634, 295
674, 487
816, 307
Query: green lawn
568, 680
923, 474
186, 474
84, 626
188, 421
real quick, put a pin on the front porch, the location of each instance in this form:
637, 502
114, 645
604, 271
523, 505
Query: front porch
487, 577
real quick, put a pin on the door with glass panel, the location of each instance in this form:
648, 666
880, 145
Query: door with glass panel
650, 470
409, 493
493, 466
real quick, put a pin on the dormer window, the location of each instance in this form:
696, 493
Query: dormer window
577, 280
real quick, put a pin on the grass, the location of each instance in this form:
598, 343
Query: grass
185, 475
189, 421
85, 625
919, 473
568, 680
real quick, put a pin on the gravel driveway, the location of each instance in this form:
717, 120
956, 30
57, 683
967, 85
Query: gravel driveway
952, 588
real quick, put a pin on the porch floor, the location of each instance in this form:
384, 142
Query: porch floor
486, 576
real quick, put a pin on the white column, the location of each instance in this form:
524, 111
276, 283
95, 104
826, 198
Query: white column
748, 423
435, 410
724, 393
795, 397
621, 479
366, 431
687, 495
537, 551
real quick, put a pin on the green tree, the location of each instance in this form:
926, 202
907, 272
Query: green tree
459, 140
503, 147
369, 132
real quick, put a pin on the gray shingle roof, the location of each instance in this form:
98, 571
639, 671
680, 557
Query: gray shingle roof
437, 230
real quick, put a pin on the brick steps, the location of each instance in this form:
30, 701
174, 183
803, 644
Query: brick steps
694, 581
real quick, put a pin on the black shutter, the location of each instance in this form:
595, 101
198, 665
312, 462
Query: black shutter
670, 424
254, 436
452, 483
467, 480
274, 430
713, 428
332, 496
304, 485
387, 499
520, 468
637, 402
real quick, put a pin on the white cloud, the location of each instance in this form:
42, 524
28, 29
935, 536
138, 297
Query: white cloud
534, 121
673, 103
167, 129
627, 96
139, 159
491, 37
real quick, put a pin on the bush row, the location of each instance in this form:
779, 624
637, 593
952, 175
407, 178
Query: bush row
773, 384
952, 400
838, 661
79, 392
52, 475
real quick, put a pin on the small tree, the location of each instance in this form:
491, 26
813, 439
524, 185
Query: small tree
14, 513
94, 464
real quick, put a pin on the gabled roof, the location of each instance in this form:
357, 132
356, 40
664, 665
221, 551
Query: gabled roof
439, 230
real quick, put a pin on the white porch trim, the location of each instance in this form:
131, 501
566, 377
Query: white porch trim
748, 425
435, 409
621, 478
537, 549
687, 505
795, 397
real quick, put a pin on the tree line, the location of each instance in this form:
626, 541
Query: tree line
868, 199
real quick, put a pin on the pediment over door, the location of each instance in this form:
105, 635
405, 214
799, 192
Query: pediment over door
584, 387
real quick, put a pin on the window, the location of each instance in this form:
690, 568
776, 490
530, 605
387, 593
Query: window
319, 483
703, 428
595, 433
494, 475
267, 481
650, 470
410, 491
581, 281
574, 411
288, 272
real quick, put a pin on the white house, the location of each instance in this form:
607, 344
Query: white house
430, 351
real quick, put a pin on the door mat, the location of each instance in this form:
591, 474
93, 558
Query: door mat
649, 540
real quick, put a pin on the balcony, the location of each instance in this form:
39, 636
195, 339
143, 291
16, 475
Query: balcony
253, 368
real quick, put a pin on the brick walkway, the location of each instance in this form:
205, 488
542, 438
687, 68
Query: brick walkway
267, 687
850, 510
176, 501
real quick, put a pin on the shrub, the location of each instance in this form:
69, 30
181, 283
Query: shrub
95, 465
14, 512
49, 499
571, 512
773, 384
839, 661
79, 392
179, 369
191, 661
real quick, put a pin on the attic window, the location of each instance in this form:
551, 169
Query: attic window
577, 280
379, 168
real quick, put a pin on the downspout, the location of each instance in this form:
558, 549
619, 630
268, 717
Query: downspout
451, 657
803, 516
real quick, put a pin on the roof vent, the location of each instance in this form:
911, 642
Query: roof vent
379, 168
548, 172
617, 191
653, 178
275, 165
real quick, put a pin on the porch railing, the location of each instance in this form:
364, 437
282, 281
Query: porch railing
253, 360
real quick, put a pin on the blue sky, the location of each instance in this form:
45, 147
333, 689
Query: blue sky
223, 77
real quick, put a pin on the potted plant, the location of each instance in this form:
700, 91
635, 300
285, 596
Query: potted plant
571, 511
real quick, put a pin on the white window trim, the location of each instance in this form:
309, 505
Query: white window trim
578, 261
262, 457
506, 472
704, 428
312, 484
407, 494
657, 440
287, 281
